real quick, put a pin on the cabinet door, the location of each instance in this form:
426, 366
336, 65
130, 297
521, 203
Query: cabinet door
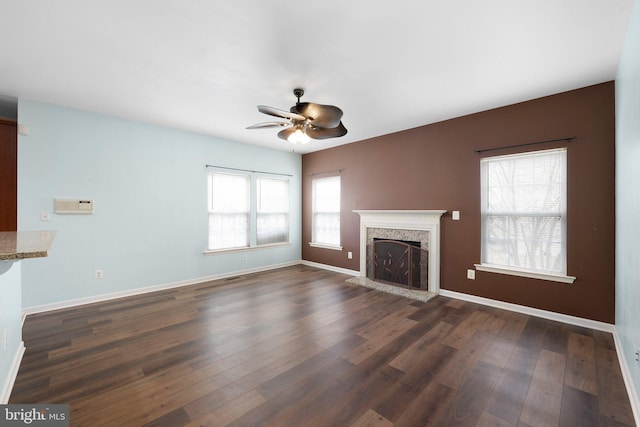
8, 176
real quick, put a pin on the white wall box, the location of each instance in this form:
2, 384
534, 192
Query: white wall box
73, 206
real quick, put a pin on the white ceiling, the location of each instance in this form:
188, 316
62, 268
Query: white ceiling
203, 66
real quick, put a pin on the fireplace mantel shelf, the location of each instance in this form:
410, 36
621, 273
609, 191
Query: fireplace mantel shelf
399, 212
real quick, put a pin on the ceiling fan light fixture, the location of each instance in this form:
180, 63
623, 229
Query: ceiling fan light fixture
299, 136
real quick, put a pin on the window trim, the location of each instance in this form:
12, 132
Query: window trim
532, 274
561, 277
244, 248
325, 246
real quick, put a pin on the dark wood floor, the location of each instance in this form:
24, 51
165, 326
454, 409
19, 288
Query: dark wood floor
301, 347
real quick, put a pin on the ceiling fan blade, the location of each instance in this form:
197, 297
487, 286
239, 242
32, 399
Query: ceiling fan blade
269, 125
326, 133
324, 116
280, 113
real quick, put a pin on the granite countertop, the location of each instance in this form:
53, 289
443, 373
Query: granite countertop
25, 244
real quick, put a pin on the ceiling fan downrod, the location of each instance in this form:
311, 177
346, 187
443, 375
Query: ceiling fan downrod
297, 92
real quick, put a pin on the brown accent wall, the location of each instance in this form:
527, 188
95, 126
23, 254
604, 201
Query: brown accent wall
436, 167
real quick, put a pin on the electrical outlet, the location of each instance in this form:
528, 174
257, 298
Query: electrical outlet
471, 274
4, 339
638, 355
350, 255
45, 216
99, 274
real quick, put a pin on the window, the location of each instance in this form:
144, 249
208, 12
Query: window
229, 210
273, 211
524, 213
326, 212
247, 210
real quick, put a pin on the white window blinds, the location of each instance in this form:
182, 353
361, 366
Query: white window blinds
272, 211
326, 211
229, 210
523, 200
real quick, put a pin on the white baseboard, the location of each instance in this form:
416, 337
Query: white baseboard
330, 268
564, 318
628, 380
130, 292
7, 387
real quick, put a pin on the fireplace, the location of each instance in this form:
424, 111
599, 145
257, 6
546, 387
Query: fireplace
401, 247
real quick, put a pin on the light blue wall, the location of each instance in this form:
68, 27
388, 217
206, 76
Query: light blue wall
148, 184
628, 196
10, 321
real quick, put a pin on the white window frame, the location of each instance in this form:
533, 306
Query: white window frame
509, 267
252, 214
316, 240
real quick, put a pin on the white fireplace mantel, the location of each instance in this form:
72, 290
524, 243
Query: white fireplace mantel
405, 220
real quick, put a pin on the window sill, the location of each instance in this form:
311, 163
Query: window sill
244, 248
325, 246
525, 273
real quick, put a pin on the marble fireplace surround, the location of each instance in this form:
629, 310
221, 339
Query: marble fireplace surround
408, 221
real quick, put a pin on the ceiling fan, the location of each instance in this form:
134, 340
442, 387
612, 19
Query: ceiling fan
306, 120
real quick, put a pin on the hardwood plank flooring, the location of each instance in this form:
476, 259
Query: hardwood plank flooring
300, 346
